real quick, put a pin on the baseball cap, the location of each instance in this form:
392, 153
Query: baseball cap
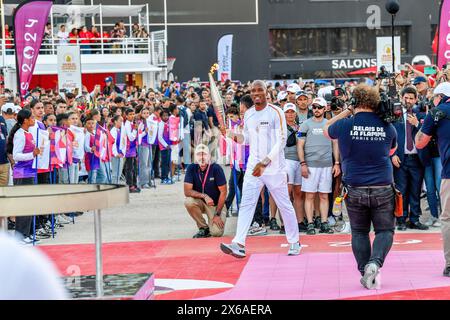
300, 94
419, 80
8, 108
282, 95
108, 79
293, 88
290, 106
320, 101
201, 148
443, 89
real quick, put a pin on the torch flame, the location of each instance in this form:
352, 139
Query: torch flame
214, 68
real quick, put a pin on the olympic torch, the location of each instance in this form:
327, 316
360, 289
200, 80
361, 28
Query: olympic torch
216, 97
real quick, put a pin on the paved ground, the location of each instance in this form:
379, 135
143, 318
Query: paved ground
154, 214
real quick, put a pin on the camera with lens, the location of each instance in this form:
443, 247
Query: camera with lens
425, 105
337, 99
384, 74
390, 108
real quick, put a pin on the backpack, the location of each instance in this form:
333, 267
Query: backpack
292, 138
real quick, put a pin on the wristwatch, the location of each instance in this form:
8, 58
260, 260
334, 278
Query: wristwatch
218, 214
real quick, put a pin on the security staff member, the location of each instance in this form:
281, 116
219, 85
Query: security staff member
365, 143
437, 123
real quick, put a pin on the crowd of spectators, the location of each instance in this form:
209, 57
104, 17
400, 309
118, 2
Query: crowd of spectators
162, 127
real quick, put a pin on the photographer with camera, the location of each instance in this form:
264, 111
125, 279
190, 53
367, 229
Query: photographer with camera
437, 123
338, 101
408, 162
366, 143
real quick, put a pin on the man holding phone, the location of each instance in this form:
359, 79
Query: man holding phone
407, 161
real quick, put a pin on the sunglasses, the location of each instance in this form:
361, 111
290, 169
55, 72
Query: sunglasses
317, 107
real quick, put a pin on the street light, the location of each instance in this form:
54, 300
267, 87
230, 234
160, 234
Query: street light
392, 6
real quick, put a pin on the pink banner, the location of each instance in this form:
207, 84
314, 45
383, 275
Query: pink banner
444, 34
29, 19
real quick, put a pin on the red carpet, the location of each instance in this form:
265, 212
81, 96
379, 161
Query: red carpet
201, 259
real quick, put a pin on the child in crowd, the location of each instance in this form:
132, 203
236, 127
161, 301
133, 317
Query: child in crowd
164, 146
131, 166
23, 148
92, 162
145, 154
119, 149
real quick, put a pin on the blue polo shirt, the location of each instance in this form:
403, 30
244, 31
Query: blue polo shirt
364, 144
441, 130
3, 138
214, 180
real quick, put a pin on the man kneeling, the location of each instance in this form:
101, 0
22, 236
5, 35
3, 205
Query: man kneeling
205, 188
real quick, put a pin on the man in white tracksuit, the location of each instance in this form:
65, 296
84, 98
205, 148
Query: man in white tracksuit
265, 132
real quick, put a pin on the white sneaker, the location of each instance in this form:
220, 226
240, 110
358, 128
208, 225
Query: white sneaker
259, 231
429, 222
437, 223
62, 219
294, 249
331, 221
233, 249
369, 280
29, 241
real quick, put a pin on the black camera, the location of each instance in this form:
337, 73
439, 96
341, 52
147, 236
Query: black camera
390, 108
336, 101
384, 74
425, 105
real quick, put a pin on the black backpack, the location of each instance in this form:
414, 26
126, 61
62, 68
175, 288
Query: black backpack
292, 138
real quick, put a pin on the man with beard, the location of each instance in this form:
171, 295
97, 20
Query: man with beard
316, 159
265, 132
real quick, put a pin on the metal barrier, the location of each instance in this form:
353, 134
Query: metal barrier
156, 49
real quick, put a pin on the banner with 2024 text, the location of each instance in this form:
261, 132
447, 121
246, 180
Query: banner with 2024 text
225, 57
29, 22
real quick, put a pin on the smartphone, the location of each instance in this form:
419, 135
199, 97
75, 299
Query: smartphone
430, 71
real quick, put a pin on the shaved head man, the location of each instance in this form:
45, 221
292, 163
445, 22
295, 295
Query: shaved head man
265, 131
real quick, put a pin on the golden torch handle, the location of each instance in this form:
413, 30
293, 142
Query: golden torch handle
214, 68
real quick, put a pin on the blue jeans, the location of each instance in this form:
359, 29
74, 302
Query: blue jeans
145, 163
165, 164
371, 206
98, 176
116, 169
433, 183
187, 159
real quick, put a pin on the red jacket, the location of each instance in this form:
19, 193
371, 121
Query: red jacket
86, 37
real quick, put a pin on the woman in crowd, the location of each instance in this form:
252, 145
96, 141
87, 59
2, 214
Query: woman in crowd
23, 149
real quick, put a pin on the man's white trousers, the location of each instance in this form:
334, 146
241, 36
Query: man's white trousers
278, 188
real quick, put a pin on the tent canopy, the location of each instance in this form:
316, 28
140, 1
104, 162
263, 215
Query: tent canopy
88, 11
363, 72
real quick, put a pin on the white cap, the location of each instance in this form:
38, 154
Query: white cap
293, 88
7, 106
443, 88
324, 91
320, 101
301, 94
282, 95
289, 106
202, 148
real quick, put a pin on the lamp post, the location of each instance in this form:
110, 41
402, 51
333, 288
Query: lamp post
392, 6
